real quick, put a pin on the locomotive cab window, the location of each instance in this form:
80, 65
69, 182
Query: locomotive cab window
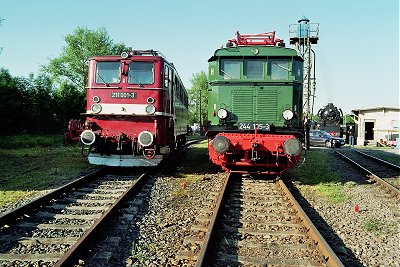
141, 73
230, 69
254, 69
108, 72
279, 69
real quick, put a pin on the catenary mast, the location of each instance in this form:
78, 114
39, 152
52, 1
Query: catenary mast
303, 35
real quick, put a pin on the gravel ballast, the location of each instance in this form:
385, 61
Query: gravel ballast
369, 237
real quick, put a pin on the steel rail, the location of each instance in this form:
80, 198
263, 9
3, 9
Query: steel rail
378, 179
391, 165
328, 254
11, 216
72, 256
194, 141
201, 259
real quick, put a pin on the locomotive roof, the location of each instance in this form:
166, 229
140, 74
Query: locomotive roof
116, 57
255, 51
133, 54
132, 57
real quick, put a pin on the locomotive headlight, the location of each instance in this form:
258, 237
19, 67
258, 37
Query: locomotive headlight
220, 144
124, 54
96, 99
287, 114
150, 109
222, 113
150, 100
88, 137
292, 147
145, 138
96, 108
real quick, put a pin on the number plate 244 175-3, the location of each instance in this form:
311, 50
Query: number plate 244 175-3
254, 125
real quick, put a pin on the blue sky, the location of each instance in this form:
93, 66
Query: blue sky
357, 57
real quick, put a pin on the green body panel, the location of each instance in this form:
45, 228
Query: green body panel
260, 100
264, 104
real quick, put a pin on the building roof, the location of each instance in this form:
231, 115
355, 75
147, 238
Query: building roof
355, 111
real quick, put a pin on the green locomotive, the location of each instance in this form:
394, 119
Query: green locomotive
255, 120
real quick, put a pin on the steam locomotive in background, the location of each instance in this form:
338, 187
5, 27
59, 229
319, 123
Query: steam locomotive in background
137, 109
255, 100
330, 119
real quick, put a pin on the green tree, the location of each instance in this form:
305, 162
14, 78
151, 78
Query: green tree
70, 70
198, 98
27, 104
348, 119
71, 102
11, 104
37, 107
72, 64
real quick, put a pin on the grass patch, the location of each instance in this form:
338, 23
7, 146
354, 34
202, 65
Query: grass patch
8, 197
331, 191
378, 226
183, 182
318, 173
317, 168
35, 164
197, 160
30, 141
189, 178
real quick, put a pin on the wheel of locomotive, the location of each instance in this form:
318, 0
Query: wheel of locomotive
328, 144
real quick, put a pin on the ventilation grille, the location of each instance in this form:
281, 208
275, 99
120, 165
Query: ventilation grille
255, 104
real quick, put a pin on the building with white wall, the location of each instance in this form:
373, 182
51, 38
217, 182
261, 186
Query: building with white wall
376, 125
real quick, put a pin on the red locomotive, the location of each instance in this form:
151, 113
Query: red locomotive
137, 109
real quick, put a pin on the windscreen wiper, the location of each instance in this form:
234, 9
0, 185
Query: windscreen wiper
104, 82
226, 74
136, 80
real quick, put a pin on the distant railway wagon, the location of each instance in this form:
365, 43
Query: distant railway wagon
255, 118
137, 109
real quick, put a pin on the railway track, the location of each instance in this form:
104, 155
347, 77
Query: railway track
255, 223
59, 228
384, 173
55, 229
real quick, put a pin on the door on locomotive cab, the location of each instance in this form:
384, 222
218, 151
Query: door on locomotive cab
173, 99
167, 89
168, 104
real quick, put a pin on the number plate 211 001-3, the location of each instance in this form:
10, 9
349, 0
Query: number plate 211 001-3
123, 95
254, 125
